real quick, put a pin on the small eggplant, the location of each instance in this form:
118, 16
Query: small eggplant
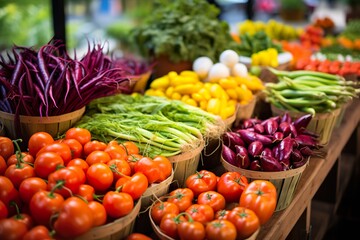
248, 123
231, 139
302, 122
249, 137
270, 164
284, 127
242, 157
270, 126
293, 130
259, 128
275, 151
228, 155
278, 136
255, 165
255, 148
296, 155
300, 163
286, 118
267, 151
286, 146
306, 151
306, 140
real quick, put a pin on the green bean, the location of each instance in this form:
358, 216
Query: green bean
288, 93
298, 73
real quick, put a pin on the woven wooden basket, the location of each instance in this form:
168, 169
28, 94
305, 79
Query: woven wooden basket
284, 181
186, 164
119, 229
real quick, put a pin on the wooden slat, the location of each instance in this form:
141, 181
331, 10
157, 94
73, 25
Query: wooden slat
282, 222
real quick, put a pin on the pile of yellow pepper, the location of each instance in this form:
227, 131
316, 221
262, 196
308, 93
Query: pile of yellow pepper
219, 98
268, 57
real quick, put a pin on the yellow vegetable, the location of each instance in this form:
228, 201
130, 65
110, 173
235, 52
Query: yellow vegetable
203, 104
180, 80
191, 102
227, 111
232, 93
197, 97
213, 106
162, 82
216, 90
191, 74
205, 93
185, 97
186, 88
169, 91
228, 83
176, 96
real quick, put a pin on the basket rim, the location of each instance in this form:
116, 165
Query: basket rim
156, 186
334, 113
264, 175
189, 154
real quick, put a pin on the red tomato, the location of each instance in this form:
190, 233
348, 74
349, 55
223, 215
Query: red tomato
65, 181
137, 236
82, 135
43, 204
24, 157
245, 221
135, 185
191, 230
182, 197
169, 224
200, 212
116, 151
118, 204
87, 192
130, 147
12, 229
220, 229
97, 156
221, 214
38, 232
231, 185
18, 172
6, 147
213, 199
46, 163
132, 159
60, 148
74, 218
100, 176
165, 167
3, 165
80, 173
119, 167
25, 218
3, 210
92, 146
30, 186
8, 193
37, 141
159, 209
75, 147
260, 196
99, 213
149, 168
79, 162
201, 181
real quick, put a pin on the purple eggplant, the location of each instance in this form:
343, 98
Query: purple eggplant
300, 163
278, 136
267, 151
286, 118
286, 146
302, 122
249, 137
270, 126
306, 140
270, 164
284, 127
293, 130
231, 139
242, 157
255, 165
259, 128
228, 155
275, 151
307, 132
296, 155
255, 148
247, 123
306, 151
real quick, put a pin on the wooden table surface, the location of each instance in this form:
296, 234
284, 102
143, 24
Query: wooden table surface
282, 222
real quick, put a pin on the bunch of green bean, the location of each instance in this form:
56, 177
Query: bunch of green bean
309, 91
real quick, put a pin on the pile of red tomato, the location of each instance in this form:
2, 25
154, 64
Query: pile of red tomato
212, 207
63, 188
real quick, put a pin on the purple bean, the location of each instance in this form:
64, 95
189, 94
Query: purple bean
249, 137
228, 155
270, 126
231, 139
284, 127
278, 136
302, 122
259, 128
270, 164
255, 165
255, 148
285, 148
286, 118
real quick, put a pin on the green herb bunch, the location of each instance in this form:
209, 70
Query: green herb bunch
182, 30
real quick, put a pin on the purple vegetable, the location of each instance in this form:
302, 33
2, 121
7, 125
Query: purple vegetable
307, 132
286, 118
302, 122
306, 140
259, 128
242, 157
285, 148
228, 155
293, 130
248, 123
249, 137
267, 151
296, 155
306, 151
284, 127
276, 151
278, 136
255, 148
270, 164
255, 165
300, 163
231, 139
270, 126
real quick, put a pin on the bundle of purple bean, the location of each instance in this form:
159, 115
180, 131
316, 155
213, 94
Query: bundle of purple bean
278, 143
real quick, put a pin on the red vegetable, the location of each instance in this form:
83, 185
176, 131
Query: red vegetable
249, 137
242, 157
228, 155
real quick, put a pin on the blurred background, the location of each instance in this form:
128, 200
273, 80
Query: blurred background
35, 22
